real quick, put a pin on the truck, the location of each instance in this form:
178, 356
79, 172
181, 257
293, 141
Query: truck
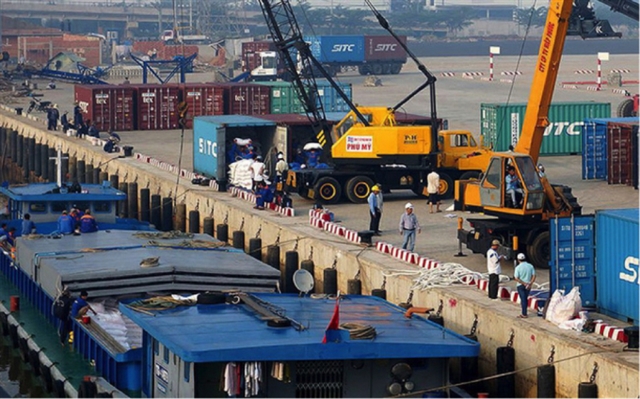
369, 54
368, 145
523, 225
174, 36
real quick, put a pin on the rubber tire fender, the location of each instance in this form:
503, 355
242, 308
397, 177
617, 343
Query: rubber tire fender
34, 360
47, 379
210, 298
87, 389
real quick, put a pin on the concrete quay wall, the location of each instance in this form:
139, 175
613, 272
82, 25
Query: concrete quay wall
533, 338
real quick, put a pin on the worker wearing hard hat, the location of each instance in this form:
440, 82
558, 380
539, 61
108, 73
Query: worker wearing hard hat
494, 269
408, 226
374, 210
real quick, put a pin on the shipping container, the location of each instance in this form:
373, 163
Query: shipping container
573, 257
203, 100
384, 48
246, 99
337, 49
594, 147
620, 152
110, 107
284, 99
157, 106
213, 137
617, 256
251, 53
501, 124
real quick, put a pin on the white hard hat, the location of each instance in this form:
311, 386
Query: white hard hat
408, 205
521, 257
280, 156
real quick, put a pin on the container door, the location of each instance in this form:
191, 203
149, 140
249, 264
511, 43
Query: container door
573, 256
282, 134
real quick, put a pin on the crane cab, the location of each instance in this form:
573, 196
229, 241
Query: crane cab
492, 194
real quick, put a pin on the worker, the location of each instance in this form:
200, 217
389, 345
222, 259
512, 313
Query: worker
28, 227
77, 116
65, 223
433, 187
64, 121
62, 310
281, 168
494, 269
380, 198
80, 306
374, 211
264, 195
513, 187
52, 117
51, 85
82, 129
112, 142
525, 276
408, 226
257, 171
88, 223
93, 130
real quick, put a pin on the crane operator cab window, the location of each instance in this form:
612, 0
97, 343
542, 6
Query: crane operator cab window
350, 121
268, 61
460, 140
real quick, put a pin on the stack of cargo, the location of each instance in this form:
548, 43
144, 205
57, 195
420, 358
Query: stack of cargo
284, 99
501, 125
610, 150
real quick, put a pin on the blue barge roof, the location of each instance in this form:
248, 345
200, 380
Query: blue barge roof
45, 192
226, 332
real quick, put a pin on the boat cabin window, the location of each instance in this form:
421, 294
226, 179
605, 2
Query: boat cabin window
37, 207
82, 206
58, 207
102, 207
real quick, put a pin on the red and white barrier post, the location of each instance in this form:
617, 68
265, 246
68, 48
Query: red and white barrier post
493, 50
601, 57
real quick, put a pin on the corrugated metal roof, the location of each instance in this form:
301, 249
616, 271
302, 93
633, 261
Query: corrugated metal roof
44, 192
107, 263
235, 120
221, 333
631, 214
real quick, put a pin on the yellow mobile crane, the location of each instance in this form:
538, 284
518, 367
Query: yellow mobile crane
524, 225
368, 145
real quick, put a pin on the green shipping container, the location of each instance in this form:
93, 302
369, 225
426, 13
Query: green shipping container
284, 99
501, 125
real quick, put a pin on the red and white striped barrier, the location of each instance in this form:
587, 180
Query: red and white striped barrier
620, 71
533, 303
289, 212
583, 72
383, 247
511, 73
593, 88
503, 292
573, 87
610, 331
334, 228
404, 255
448, 74
621, 91
316, 222
352, 236
471, 75
427, 263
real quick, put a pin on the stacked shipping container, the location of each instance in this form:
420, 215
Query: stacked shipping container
284, 99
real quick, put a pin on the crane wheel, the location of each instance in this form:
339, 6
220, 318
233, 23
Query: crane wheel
358, 189
539, 251
625, 109
328, 190
446, 186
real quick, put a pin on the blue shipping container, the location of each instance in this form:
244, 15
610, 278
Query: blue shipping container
209, 141
328, 49
617, 253
594, 146
572, 257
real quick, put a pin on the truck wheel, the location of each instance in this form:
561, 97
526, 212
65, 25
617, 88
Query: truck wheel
376, 69
386, 69
396, 68
358, 189
625, 109
539, 252
470, 176
364, 69
446, 186
328, 190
